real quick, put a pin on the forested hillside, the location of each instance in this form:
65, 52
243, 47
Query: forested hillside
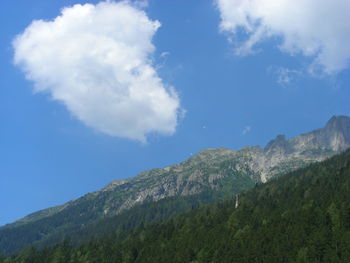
147, 212
301, 217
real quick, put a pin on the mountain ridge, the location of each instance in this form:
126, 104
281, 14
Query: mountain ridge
215, 169
311, 146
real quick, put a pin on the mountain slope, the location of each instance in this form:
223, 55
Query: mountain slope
301, 217
225, 171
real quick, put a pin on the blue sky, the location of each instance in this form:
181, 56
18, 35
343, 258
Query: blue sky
225, 92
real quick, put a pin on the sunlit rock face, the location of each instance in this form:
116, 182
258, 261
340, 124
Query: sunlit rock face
281, 155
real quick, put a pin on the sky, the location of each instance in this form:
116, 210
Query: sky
93, 91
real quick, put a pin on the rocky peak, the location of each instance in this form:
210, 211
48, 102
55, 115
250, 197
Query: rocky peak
337, 133
278, 143
338, 123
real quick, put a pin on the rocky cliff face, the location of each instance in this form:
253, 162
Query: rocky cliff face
281, 155
211, 169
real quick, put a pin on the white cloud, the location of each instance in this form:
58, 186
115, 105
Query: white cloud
96, 59
314, 28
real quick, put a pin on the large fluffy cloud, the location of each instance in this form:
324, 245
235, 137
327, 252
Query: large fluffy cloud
316, 28
96, 59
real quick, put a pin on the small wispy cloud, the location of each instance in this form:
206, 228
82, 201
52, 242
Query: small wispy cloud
246, 130
165, 54
284, 76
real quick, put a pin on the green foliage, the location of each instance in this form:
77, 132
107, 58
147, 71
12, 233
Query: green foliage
301, 217
47, 235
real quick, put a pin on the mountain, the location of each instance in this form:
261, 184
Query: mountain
303, 216
220, 172
281, 155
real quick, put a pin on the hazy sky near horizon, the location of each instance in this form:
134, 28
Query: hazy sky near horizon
96, 91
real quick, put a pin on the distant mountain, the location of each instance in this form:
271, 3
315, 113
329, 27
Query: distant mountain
300, 217
221, 171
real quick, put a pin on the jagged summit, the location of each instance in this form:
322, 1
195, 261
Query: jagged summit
280, 155
278, 143
335, 136
337, 133
338, 122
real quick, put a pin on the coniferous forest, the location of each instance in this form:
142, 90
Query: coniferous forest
301, 217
